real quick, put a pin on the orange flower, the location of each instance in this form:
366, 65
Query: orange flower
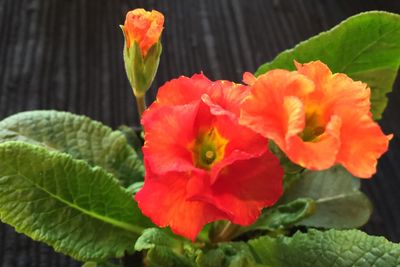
201, 165
317, 118
143, 27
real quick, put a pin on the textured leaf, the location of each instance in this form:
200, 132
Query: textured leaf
163, 250
79, 210
330, 248
78, 136
339, 203
366, 47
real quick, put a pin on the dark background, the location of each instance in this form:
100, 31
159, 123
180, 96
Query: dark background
67, 55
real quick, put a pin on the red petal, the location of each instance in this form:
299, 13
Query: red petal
243, 143
246, 187
183, 90
163, 199
243, 188
168, 135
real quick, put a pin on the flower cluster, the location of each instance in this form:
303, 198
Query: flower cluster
206, 142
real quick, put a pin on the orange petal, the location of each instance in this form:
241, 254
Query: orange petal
263, 110
316, 71
164, 200
341, 92
295, 115
316, 155
249, 78
363, 143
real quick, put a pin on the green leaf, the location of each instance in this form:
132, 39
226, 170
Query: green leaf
339, 203
283, 216
78, 136
232, 254
80, 210
163, 250
330, 248
366, 47
100, 264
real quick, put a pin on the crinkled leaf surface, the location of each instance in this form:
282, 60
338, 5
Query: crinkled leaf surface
78, 136
330, 248
338, 201
366, 47
80, 210
232, 254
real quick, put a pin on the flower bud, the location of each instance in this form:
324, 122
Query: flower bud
142, 30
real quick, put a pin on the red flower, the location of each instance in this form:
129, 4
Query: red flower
201, 165
143, 27
317, 118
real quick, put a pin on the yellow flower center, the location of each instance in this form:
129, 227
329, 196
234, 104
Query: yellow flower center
208, 149
314, 126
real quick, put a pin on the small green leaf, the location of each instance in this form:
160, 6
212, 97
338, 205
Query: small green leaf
232, 254
366, 47
79, 210
154, 237
330, 248
339, 203
162, 249
282, 216
78, 136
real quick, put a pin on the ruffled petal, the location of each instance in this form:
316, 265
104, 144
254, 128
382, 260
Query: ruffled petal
341, 92
164, 200
316, 71
263, 110
363, 143
224, 98
168, 135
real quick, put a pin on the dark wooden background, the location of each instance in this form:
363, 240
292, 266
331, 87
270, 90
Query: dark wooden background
67, 55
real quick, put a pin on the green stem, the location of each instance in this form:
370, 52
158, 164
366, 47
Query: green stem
226, 233
141, 105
